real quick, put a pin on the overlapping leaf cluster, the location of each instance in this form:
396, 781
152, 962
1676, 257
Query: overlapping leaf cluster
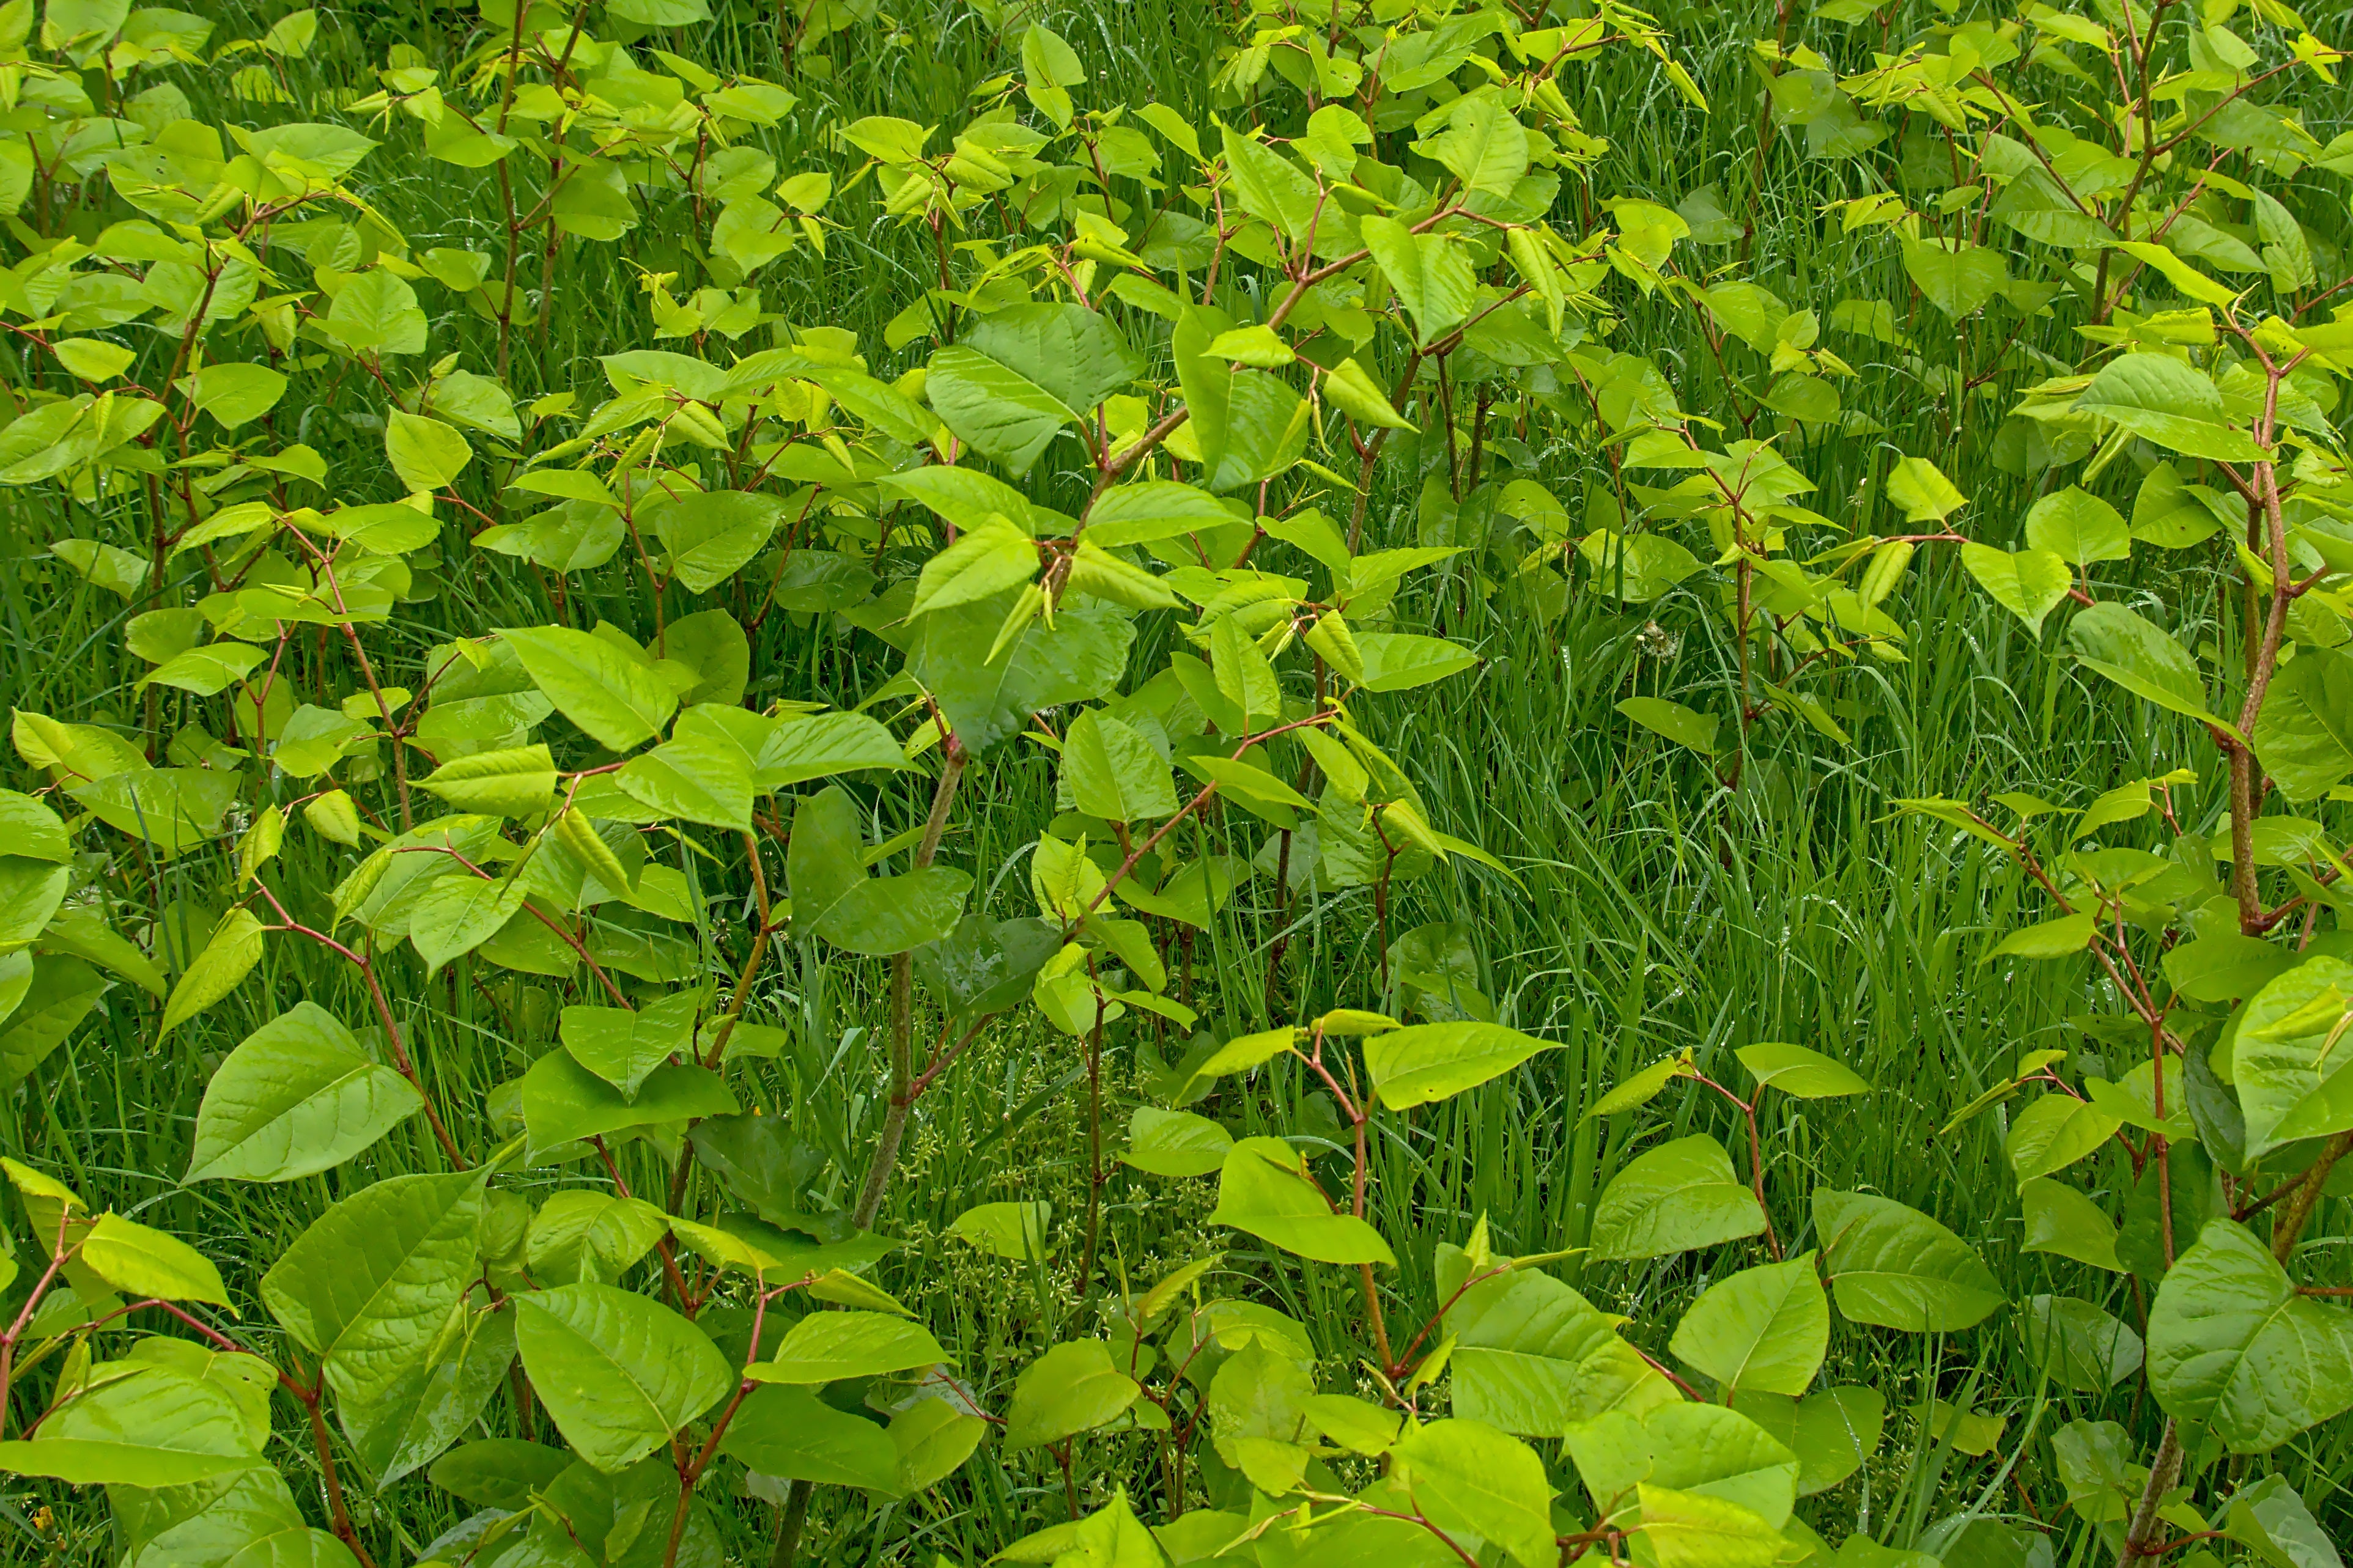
1106, 490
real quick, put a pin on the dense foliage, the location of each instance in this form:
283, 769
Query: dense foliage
1314, 781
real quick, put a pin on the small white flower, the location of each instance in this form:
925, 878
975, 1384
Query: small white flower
1658, 642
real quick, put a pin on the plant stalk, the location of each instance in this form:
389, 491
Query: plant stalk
902, 1040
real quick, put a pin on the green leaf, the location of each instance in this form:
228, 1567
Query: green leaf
1921, 488
106, 567
692, 777
1174, 1143
92, 358
826, 1347
426, 453
1269, 187
370, 1285
784, 1256
511, 781
984, 562
455, 915
1242, 1052
986, 697
1795, 1070
1532, 1356
228, 956
234, 395
1112, 1536
617, 700
618, 1371
622, 1046
2054, 1133
2305, 732
431, 1406
209, 670
1248, 786
2124, 645
140, 1262
2270, 1517
821, 744
1637, 569
995, 410
1838, 1430
1110, 771
1099, 574
934, 1437
1642, 1087
1683, 726
1244, 675
1250, 426
30, 892
883, 915
376, 312
2166, 402
1956, 276
1891, 1265
1264, 1190
2062, 1220
34, 832
575, 536
793, 1434
1257, 1407
1694, 1530
1707, 1450
1672, 1198
984, 965
580, 1236
1260, 346
1046, 61
2087, 1350
1072, 1388
1399, 661
2060, 938
968, 498
2103, 1485
563, 1100
1764, 1329
1832, 1432
1431, 274
2170, 514
2289, 1055
173, 809
155, 1427
1430, 1062
312, 740
497, 1470
1352, 389
1972, 1432
1013, 1230
298, 1096
1151, 510
2027, 583
1483, 144
2077, 527
1356, 1426
593, 202
2190, 283
752, 232
1469, 1479
883, 406
1075, 354
712, 534
2233, 1349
